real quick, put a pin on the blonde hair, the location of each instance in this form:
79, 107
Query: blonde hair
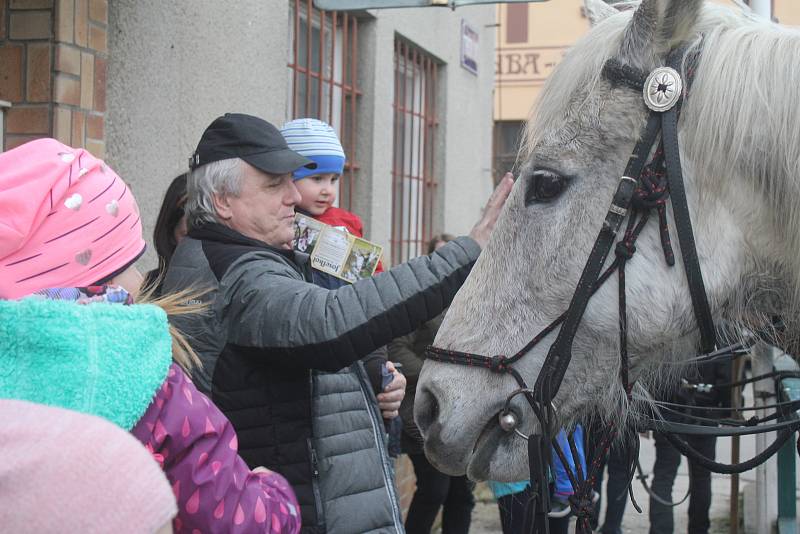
184, 302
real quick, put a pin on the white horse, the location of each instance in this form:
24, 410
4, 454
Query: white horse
739, 135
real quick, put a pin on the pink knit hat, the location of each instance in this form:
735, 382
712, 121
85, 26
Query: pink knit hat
64, 471
66, 219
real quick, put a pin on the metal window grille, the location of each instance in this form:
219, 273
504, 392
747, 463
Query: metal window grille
507, 139
3, 106
323, 80
413, 171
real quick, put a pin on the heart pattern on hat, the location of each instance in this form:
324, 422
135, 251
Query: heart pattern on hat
74, 202
84, 257
113, 208
60, 225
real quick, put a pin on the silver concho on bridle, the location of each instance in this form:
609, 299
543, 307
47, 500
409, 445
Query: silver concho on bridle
662, 89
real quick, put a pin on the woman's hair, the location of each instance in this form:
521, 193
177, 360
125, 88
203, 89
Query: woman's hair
168, 218
439, 238
185, 302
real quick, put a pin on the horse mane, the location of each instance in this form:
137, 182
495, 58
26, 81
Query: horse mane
746, 124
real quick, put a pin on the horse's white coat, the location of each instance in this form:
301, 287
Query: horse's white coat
740, 141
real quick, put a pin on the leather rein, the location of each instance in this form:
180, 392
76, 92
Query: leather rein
643, 189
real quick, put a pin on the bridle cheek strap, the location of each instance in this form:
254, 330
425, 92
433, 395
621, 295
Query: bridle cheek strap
683, 225
557, 361
536, 520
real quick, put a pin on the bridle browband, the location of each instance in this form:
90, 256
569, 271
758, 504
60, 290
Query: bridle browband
643, 188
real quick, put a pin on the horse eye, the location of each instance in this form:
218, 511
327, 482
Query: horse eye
544, 186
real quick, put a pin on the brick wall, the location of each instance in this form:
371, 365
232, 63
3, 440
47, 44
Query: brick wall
80, 59
53, 57
25, 68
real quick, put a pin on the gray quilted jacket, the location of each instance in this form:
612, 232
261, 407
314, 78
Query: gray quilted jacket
278, 355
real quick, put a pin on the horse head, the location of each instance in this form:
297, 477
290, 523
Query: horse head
740, 148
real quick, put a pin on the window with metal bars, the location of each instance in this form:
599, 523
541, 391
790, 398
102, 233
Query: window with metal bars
413, 170
323, 77
507, 139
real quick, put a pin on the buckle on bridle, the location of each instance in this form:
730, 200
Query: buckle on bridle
618, 210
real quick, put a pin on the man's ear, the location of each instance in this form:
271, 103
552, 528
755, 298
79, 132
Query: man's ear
222, 206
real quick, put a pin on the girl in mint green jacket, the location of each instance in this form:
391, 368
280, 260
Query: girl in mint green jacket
71, 337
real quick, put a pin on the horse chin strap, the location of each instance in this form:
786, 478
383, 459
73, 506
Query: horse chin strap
643, 188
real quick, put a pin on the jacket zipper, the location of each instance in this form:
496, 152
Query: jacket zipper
312, 454
377, 432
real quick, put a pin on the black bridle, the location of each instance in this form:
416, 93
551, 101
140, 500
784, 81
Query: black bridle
643, 189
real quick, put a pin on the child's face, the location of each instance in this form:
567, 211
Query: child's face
318, 192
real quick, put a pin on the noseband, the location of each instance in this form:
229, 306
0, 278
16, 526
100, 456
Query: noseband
644, 188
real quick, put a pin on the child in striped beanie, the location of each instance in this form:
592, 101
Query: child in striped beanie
318, 187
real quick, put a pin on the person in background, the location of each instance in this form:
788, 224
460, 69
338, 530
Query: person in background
513, 497
169, 230
703, 386
318, 188
71, 336
269, 326
616, 463
435, 489
357, 413
51, 481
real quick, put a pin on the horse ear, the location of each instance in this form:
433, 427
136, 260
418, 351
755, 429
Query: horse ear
657, 26
597, 11
679, 21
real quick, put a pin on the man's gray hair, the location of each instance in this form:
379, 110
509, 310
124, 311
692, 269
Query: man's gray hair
223, 177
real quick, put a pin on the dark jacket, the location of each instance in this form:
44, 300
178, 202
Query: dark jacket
703, 386
268, 327
409, 350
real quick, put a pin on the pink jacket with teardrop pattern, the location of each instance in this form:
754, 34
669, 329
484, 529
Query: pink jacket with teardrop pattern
197, 448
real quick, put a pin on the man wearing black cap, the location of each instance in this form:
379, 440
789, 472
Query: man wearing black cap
280, 355
263, 206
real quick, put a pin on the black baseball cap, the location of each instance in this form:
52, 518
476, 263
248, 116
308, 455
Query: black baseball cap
254, 140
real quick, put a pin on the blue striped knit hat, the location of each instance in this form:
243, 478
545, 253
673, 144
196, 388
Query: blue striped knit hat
318, 142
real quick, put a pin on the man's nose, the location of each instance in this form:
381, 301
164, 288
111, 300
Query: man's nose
293, 195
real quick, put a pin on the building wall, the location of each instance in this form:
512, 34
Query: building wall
463, 144
26, 41
522, 68
786, 12
173, 68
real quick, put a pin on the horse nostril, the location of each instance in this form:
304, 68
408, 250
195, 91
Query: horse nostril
426, 410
